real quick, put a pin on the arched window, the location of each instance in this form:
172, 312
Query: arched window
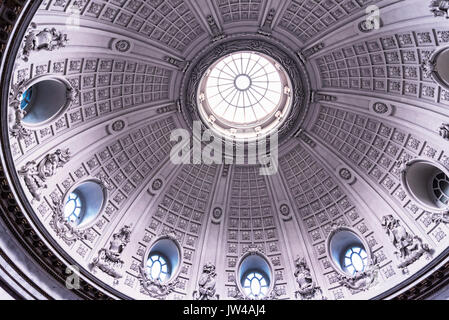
355, 260
158, 268
255, 285
441, 188
73, 207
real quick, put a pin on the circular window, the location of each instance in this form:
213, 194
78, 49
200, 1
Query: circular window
441, 188
73, 207
255, 276
427, 184
84, 203
163, 260
348, 251
244, 95
158, 268
44, 100
255, 285
355, 260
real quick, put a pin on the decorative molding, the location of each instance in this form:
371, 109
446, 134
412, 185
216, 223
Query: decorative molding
46, 39
157, 184
317, 97
122, 45
36, 174
206, 284
444, 131
306, 138
109, 260
308, 289
284, 210
182, 65
267, 27
409, 248
307, 53
217, 213
346, 174
217, 33
166, 109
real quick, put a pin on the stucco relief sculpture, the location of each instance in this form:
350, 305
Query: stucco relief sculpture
308, 289
62, 227
428, 67
36, 174
206, 284
362, 280
47, 39
16, 127
109, 260
439, 8
409, 248
155, 289
444, 131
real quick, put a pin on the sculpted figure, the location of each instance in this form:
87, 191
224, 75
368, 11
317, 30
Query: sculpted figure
36, 175
206, 284
410, 248
307, 287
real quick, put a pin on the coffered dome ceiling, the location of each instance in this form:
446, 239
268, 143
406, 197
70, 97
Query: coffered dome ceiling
358, 91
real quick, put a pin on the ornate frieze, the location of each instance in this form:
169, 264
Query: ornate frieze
409, 247
36, 174
109, 259
206, 284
